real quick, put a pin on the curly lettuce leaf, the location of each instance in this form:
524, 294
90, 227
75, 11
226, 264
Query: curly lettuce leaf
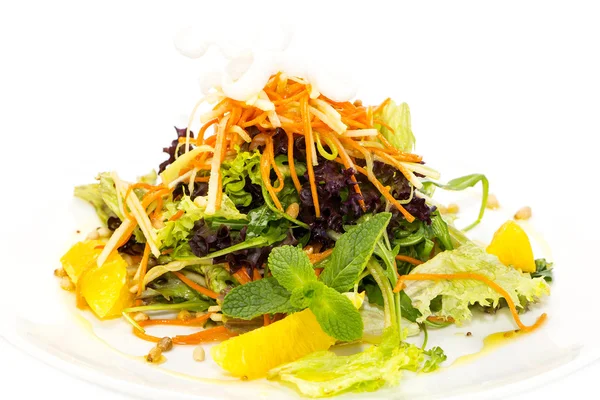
458, 295
234, 175
175, 232
324, 373
397, 118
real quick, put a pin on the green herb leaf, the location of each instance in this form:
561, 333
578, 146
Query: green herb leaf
303, 296
436, 357
543, 269
335, 313
463, 183
352, 251
291, 267
253, 299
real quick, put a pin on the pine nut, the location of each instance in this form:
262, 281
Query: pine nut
165, 344
524, 213
199, 354
93, 235
214, 308
154, 355
140, 316
184, 315
103, 232
59, 272
216, 317
66, 284
293, 210
492, 202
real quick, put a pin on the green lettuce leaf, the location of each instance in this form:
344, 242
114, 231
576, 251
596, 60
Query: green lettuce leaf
234, 175
324, 373
458, 295
217, 277
102, 196
397, 118
179, 230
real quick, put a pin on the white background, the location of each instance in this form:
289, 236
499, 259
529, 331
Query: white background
515, 84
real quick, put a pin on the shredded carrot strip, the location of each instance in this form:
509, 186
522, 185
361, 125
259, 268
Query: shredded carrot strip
176, 322
177, 215
265, 164
291, 164
256, 275
469, 275
195, 286
405, 156
386, 193
200, 138
309, 161
271, 152
317, 257
434, 318
382, 105
279, 103
242, 276
266, 320
202, 179
348, 164
318, 271
255, 121
208, 335
143, 269
408, 259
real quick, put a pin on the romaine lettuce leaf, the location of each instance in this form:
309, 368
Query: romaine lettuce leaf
397, 118
324, 373
458, 295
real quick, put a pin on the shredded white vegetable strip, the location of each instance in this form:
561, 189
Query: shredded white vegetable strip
114, 240
192, 180
242, 133
182, 178
213, 182
139, 214
190, 120
334, 124
422, 169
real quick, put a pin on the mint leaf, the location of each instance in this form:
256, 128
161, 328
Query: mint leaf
352, 251
302, 297
291, 267
253, 299
336, 314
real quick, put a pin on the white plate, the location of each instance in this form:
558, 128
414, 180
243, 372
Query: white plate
107, 353
518, 104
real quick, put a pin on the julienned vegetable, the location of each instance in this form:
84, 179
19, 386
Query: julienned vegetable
276, 226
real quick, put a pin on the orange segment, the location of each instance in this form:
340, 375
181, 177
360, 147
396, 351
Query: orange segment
253, 354
105, 288
80, 257
511, 245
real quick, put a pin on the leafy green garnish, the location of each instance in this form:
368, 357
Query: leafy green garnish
265, 296
436, 357
325, 374
463, 183
335, 313
458, 295
543, 269
397, 118
234, 174
291, 267
352, 252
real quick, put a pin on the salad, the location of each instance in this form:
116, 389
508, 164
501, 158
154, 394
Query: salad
291, 223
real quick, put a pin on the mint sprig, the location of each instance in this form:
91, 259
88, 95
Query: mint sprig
294, 285
352, 252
